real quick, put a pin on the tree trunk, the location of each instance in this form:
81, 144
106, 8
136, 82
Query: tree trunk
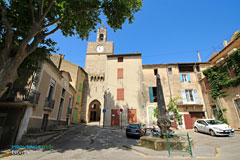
8, 73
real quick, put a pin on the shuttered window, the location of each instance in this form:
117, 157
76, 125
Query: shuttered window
185, 77
190, 96
120, 73
78, 99
120, 94
80, 86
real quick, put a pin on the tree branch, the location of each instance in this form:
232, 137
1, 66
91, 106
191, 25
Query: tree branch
32, 11
40, 9
54, 30
37, 39
52, 23
9, 33
46, 11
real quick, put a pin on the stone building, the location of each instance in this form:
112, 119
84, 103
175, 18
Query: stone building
114, 84
232, 101
78, 76
46, 101
178, 80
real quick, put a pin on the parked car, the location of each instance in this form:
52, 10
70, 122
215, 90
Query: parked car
134, 130
213, 127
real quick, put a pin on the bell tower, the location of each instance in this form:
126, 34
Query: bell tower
102, 34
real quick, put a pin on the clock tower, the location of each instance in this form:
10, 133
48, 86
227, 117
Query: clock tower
95, 66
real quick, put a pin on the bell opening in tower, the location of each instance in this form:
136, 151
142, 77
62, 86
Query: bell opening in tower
101, 37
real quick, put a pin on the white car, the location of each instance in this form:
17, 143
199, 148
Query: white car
212, 127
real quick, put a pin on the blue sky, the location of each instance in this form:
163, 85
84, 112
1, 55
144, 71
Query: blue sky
166, 31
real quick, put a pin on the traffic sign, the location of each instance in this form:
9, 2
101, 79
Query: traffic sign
104, 110
121, 110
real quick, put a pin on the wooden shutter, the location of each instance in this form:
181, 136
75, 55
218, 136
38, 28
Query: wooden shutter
196, 98
80, 86
184, 98
120, 94
78, 99
120, 73
180, 76
188, 77
150, 94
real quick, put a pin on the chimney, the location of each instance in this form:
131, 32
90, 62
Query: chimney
60, 60
225, 43
199, 58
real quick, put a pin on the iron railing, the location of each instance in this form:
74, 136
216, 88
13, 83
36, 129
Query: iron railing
49, 103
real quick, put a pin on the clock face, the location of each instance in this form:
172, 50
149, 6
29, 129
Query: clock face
100, 48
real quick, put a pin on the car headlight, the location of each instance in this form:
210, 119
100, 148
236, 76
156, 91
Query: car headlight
218, 129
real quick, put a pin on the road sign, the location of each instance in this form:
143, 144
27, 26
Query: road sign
121, 110
104, 110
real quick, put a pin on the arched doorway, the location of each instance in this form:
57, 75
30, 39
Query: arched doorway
94, 111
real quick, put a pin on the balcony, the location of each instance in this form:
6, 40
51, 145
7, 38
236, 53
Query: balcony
22, 94
49, 104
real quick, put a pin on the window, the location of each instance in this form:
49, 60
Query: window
63, 92
153, 94
120, 94
198, 68
101, 37
185, 77
120, 59
120, 73
189, 95
78, 99
69, 102
80, 86
51, 89
169, 70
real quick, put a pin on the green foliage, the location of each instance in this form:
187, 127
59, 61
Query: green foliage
172, 106
237, 35
220, 116
219, 78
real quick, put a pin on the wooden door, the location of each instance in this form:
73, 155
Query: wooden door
195, 116
132, 116
188, 121
115, 117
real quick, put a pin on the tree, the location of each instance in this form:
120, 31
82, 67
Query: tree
25, 24
172, 106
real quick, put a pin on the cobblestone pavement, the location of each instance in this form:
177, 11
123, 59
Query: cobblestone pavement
92, 142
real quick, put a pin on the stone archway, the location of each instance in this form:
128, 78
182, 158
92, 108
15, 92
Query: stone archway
94, 111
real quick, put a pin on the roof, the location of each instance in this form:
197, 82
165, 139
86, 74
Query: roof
166, 64
230, 43
124, 55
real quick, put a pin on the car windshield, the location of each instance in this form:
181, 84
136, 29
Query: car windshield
213, 122
133, 126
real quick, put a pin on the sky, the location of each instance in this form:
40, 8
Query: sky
166, 31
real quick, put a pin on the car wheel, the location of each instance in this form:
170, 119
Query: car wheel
212, 133
195, 129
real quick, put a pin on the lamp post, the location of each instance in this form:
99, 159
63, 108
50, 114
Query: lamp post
163, 121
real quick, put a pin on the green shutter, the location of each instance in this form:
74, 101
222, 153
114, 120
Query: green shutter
80, 86
75, 116
78, 99
82, 74
151, 94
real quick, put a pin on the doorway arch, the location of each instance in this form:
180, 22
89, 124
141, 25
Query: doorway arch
94, 111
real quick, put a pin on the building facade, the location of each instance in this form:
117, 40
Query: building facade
46, 101
114, 92
78, 76
181, 81
231, 102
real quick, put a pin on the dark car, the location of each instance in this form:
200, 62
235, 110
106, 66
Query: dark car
134, 130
